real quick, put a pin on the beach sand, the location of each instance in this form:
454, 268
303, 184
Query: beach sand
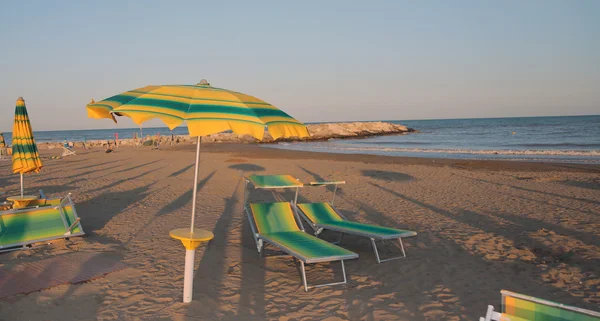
482, 226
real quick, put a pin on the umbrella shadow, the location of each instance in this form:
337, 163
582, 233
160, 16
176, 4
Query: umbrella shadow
247, 167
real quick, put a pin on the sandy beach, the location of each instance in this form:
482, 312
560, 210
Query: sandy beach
482, 226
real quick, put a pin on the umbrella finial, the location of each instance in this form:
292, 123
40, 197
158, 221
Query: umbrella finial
93, 101
20, 99
203, 82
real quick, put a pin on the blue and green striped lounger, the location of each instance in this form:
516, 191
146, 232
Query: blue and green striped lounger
322, 216
520, 307
275, 223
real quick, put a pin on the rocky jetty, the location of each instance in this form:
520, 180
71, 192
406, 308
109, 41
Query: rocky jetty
317, 132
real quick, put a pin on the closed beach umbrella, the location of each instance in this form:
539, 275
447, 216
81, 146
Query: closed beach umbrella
206, 110
25, 156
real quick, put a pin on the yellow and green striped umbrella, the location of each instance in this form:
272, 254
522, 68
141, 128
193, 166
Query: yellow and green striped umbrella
25, 156
206, 110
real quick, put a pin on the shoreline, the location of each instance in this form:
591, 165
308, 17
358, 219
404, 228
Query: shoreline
263, 152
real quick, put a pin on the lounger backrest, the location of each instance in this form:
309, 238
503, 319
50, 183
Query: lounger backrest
320, 213
531, 308
274, 217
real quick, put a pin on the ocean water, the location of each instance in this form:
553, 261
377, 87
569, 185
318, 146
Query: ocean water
559, 139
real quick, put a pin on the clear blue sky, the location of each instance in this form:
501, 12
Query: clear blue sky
317, 60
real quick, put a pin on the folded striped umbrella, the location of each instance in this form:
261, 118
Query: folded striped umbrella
25, 156
206, 110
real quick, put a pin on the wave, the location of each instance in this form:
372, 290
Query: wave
588, 153
541, 145
391, 143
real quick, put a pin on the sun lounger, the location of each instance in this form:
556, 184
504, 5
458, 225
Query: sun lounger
323, 216
275, 224
67, 150
519, 307
44, 222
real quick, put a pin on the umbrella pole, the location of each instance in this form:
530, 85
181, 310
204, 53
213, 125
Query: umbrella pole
190, 253
21, 185
195, 184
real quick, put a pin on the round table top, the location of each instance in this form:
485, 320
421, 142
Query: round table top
184, 234
22, 198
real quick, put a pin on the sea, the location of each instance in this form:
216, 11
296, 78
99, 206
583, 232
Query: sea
571, 139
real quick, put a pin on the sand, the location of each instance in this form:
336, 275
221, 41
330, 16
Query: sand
482, 226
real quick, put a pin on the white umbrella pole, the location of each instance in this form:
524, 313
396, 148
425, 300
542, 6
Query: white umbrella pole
21, 185
195, 183
190, 254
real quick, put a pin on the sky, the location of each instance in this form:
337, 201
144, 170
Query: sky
317, 60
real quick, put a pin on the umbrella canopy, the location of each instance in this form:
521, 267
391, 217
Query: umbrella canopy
206, 110
25, 153
25, 156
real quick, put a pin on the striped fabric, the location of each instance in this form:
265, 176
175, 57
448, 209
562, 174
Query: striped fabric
320, 213
207, 110
276, 223
25, 156
534, 309
35, 224
274, 217
324, 216
274, 181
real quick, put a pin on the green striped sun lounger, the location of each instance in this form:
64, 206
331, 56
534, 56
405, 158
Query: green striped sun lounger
275, 224
519, 307
323, 216
46, 221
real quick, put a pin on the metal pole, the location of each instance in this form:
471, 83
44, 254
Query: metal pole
188, 278
21, 185
195, 184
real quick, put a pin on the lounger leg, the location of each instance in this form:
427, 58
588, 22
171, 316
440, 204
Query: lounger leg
379, 260
402, 247
304, 276
306, 286
375, 250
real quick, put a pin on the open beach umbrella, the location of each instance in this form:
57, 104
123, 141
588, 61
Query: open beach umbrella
206, 110
25, 156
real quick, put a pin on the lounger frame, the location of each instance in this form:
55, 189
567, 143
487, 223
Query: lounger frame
67, 151
76, 223
492, 315
260, 240
318, 228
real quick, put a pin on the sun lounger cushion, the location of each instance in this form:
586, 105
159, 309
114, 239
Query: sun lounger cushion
35, 225
276, 224
307, 247
532, 308
324, 216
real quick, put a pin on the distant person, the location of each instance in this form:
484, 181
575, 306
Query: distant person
108, 147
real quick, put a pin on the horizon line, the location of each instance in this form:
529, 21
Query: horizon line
337, 121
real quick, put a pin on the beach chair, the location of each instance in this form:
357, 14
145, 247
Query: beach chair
67, 150
519, 307
275, 224
25, 226
323, 216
